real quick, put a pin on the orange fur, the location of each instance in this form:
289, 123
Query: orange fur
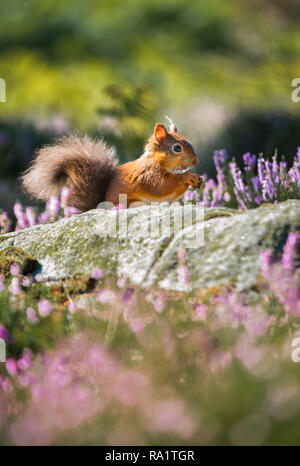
90, 169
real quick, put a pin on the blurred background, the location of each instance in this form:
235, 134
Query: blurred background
112, 68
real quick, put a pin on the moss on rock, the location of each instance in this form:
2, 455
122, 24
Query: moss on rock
228, 250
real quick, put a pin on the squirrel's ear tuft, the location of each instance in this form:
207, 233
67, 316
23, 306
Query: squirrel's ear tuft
160, 132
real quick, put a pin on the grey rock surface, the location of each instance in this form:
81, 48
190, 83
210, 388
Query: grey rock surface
226, 243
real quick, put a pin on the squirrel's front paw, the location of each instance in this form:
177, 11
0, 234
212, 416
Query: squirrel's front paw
194, 180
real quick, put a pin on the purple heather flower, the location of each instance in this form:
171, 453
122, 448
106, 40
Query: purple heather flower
30, 216
128, 295
20, 216
26, 360
97, 273
190, 195
261, 170
183, 275
5, 335
15, 269
282, 170
64, 195
121, 282
265, 258
44, 307
226, 197
69, 211
11, 366
14, 287
237, 177
200, 312
249, 161
26, 282
289, 250
274, 166
220, 156
119, 207
72, 306
255, 182
31, 315
2, 284
53, 206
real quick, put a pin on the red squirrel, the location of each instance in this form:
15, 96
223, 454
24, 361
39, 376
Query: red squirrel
91, 170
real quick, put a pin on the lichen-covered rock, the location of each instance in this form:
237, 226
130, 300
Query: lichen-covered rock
13, 255
122, 243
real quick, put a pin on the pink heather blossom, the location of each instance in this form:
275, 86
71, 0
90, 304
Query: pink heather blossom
38, 277
64, 195
183, 275
265, 258
31, 315
29, 212
44, 307
53, 206
2, 283
69, 211
121, 282
6, 385
159, 301
137, 325
26, 281
97, 273
119, 207
11, 366
15, 269
289, 250
14, 287
200, 312
72, 306
220, 361
106, 296
5, 335
128, 295
25, 362
44, 217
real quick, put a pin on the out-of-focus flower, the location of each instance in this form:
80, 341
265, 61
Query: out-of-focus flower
64, 195
11, 366
30, 214
183, 275
6, 335
26, 281
14, 287
72, 306
200, 312
2, 283
97, 273
289, 250
44, 307
15, 269
53, 206
69, 211
31, 315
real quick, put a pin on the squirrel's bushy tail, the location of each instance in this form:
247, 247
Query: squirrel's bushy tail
84, 164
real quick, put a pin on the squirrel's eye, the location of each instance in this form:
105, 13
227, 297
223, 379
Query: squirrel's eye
177, 148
